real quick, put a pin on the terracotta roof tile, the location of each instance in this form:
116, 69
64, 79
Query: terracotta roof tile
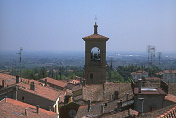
95, 92
139, 72
159, 73
76, 88
122, 114
40, 90
14, 109
10, 80
170, 97
95, 36
59, 83
169, 71
74, 81
169, 114
157, 113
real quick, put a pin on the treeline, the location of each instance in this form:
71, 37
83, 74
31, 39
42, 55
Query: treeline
114, 74
58, 73
123, 73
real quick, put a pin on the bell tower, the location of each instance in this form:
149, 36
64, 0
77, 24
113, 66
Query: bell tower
95, 57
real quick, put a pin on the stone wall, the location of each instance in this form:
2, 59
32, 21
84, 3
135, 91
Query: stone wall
93, 92
150, 102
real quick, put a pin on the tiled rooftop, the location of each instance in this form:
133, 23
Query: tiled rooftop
10, 80
170, 71
15, 109
40, 90
170, 97
95, 110
74, 81
157, 113
139, 72
59, 83
172, 88
102, 93
122, 114
95, 36
169, 114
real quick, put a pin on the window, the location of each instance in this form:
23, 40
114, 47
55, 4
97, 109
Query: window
91, 75
116, 94
153, 108
95, 54
23, 98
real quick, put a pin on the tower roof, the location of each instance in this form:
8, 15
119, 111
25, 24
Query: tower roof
95, 35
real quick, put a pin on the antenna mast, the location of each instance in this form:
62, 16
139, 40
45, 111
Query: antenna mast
151, 54
159, 57
20, 55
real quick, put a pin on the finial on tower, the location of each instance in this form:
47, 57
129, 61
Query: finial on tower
95, 26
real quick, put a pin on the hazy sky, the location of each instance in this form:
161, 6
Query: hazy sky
59, 25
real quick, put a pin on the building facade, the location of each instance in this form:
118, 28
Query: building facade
139, 75
169, 76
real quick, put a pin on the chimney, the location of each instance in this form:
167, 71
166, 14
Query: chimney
45, 82
127, 96
111, 97
4, 84
32, 86
37, 108
129, 114
18, 79
5, 98
139, 85
80, 81
26, 112
16, 89
116, 93
50, 108
102, 109
140, 105
84, 82
119, 105
89, 105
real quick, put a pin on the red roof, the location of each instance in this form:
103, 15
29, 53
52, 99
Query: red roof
14, 109
10, 80
59, 83
169, 71
159, 73
139, 72
169, 114
95, 36
40, 90
170, 97
149, 91
74, 81
76, 88
123, 114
